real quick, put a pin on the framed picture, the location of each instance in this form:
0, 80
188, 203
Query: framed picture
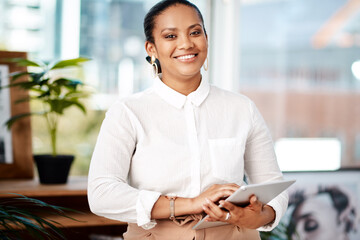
323, 205
5, 104
18, 161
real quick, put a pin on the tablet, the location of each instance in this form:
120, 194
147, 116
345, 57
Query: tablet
265, 192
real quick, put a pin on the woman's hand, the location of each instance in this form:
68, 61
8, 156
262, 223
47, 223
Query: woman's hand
252, 216
214, 194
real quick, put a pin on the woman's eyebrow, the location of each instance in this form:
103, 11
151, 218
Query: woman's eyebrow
195, 25
174, 28
168, 29
306, 215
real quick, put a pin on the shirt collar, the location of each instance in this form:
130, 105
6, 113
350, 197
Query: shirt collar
177, 99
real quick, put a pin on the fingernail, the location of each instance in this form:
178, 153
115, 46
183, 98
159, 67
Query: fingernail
222, 202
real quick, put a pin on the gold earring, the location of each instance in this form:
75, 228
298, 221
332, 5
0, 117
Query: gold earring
153, 63
206, 64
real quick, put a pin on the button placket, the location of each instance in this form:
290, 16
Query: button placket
194, 148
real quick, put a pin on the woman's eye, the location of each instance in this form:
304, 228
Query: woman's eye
195, 33
310, 225
170, 36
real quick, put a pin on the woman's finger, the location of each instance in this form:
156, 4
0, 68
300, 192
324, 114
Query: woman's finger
213, 210
231, 186
211, 215
255, 202
224, 193
228, 205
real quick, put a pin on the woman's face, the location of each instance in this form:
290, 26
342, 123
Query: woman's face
317, 219
180, 42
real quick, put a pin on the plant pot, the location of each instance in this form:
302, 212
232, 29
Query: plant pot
53, 169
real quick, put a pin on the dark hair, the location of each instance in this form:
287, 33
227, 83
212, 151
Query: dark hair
157, 9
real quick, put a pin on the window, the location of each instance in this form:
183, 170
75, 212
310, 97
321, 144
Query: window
110, 32
298, 62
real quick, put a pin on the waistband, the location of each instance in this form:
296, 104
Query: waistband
181, 229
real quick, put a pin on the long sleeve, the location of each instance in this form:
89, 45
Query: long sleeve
261, 164
146, 148
109, 193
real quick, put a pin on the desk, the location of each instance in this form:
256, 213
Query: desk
71, 195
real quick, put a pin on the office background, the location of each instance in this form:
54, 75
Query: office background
297, 59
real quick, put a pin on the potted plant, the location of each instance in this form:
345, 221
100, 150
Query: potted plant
20, 214
56, 94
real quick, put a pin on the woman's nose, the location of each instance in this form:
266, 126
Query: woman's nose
185, 42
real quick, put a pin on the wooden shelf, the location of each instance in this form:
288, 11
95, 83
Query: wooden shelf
76, 186
72, 195
85, 220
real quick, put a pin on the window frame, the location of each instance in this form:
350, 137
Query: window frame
22, 165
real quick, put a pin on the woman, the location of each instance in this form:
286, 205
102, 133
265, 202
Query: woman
176, 149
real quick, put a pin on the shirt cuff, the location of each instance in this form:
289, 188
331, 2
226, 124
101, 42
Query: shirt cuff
278, 214
144, 205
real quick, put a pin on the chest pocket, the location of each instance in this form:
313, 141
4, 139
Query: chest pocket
227, 158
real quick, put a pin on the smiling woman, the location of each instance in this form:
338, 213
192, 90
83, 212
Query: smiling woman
179, 42
166, 156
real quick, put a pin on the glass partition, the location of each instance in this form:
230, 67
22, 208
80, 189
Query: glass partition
299, 63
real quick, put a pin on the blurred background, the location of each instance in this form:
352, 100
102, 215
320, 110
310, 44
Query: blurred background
298, 60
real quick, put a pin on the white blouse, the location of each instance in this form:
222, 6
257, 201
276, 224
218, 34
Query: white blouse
160, 141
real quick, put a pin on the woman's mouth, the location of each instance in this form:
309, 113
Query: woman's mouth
187, 58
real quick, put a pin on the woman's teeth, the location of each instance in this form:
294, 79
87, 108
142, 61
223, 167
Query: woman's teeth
186, 57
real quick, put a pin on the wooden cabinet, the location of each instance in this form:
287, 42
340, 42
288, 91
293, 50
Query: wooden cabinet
71, 195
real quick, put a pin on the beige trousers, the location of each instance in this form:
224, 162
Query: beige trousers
181, 229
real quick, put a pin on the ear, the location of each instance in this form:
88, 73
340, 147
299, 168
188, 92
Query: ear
207, 41
150, 49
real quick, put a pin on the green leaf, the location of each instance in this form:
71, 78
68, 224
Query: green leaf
24, 62
15, 75
43, 223
56, 106
70, 84
77, 95
59, 105
15, 118
62, 81
24, 85
44, 82
74, 83
24, 212
39, 90
26, 99
37, 77
69, 63
55, 90
43, 94
80, 106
